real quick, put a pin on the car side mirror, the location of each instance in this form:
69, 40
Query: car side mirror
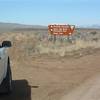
6, 44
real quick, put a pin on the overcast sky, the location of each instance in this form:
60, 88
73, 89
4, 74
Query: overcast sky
44, 12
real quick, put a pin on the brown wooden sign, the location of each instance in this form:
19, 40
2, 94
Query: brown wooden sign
61, 29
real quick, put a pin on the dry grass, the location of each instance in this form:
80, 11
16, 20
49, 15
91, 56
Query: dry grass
62, 49
30, 44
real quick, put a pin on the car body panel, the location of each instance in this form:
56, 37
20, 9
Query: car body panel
3, 63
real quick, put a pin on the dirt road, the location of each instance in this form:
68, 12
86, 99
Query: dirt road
90, 90
47, 78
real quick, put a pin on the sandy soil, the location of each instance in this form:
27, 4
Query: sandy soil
48, 78
90, 90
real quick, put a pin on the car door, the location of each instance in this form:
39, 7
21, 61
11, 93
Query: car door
2, 63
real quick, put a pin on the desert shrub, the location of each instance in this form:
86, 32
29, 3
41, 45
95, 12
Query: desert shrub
95, 39
93, 33
25, 45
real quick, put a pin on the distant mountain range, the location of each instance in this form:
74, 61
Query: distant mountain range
96, 26
5, 27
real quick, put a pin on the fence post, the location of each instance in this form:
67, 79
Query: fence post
54, 38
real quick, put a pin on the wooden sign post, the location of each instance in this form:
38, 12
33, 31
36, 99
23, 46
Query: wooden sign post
60, 30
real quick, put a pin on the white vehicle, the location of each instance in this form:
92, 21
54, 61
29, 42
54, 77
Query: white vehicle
5, 70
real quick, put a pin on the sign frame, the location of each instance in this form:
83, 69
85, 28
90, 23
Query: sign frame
61, 29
